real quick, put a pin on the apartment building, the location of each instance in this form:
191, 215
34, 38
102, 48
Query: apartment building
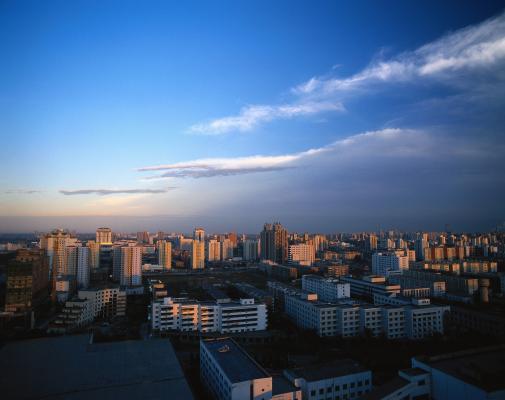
370, 285
188, 315
327, 289
107, 302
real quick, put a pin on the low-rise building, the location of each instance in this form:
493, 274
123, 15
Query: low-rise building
327, 289
184, 314
341, 379
229, 373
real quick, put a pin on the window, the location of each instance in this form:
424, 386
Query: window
312, 392
321, 391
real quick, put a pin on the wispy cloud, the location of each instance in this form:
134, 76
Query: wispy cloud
22, 191
476, 47
105, 192
449, 59
251, 116
212, 167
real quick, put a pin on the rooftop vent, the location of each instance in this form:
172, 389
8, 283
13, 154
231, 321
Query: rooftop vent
224, 349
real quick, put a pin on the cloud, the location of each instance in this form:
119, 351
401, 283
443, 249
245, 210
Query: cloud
105, 192
251, 116
478, 47
22, 191
212, 167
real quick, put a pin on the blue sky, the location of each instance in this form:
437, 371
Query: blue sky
324, 115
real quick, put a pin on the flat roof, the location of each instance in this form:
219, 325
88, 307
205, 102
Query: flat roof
68, 367
329, 370
387, 389
483, 368
280, 385
233, 360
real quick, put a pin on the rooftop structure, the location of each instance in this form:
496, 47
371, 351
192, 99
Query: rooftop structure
79, 370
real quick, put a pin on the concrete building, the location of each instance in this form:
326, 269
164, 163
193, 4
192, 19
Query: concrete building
453, 283
274, 243
213, 250
341, 379
107, 302
27, 280
327, 289
302, 254
229, 373
94, 254
226, 248
164, 254
55, 244
131, 266
251, 250
386, 263
73, 367
103, 235
370, 285
83, 267
225, 316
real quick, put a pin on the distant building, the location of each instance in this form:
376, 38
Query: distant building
103, 235
370, 285
274, 243
55, 244
164, 254
131, 266
213, 250
302, 254
327, 289
336, 270
251, 250
386, 263
83, 267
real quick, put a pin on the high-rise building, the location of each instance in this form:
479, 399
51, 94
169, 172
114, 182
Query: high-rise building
274, 243
131, 266
164, 254
103, 235
251, 250
197, 255
213, 250
198, 249
199, 234
226, 249
94, 254
55, 243
302, 254
27, 280
372, 243
143, 237
386, 263
83, 268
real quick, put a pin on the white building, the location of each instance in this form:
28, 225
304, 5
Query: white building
229, 373
302, 254
327, 289
342, 379
198, 254
370, 285
83, 267
190, 315
387, 263
106, 302
395, 317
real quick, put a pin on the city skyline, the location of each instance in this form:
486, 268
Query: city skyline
168, 117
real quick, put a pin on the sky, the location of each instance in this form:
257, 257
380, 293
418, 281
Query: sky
326, 116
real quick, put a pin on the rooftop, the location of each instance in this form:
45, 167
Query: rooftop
234, 361
329, 370
69, 367
483, 368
